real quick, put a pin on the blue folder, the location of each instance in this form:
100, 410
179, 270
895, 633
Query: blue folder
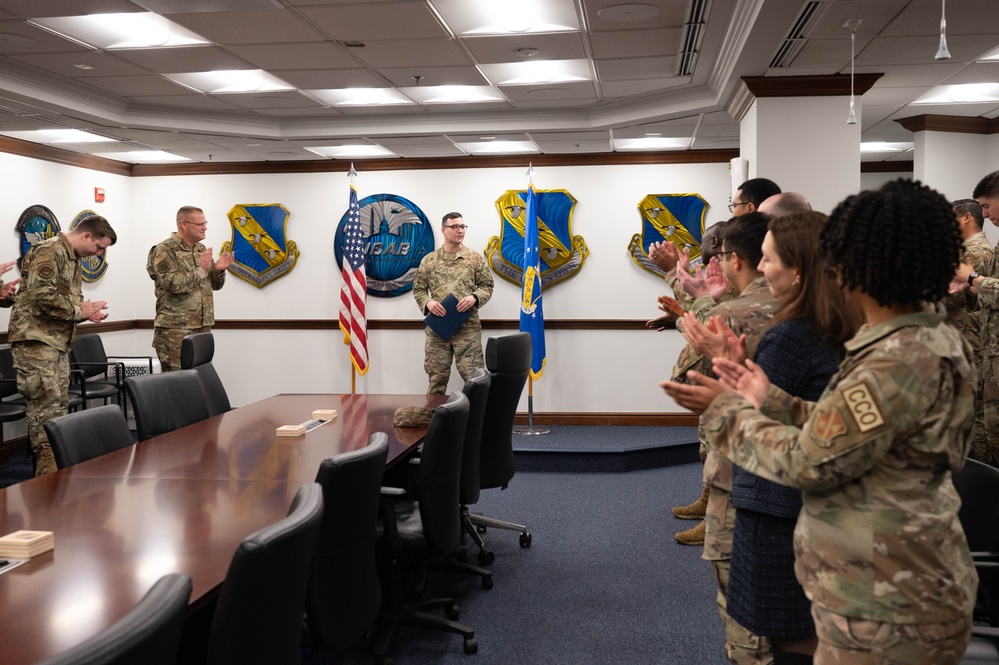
446, 326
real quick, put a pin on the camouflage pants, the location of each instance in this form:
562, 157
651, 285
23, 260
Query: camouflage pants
741, 646
986, 448
43, 379
466, 349
846, 641
167, 341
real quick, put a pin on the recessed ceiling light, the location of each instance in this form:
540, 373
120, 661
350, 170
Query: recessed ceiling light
145, 156
499, 147
527, 52
352, 151
965, 93
360, 96
119, 31
884, 146
230, 81
652, 143
453, 94
537, 71
58, 136
489, 17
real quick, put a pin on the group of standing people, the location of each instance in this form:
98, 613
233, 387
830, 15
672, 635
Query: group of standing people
832, 419
47, 304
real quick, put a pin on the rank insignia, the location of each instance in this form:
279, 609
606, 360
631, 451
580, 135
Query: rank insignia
92, 267
396, 235
561, 253
675, 218
261, 251
829, 424
35, 224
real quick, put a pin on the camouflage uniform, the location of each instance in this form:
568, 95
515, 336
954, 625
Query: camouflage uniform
988, 305
748, 313
878, 546
184, 301
41, 332
962, 314
460, 273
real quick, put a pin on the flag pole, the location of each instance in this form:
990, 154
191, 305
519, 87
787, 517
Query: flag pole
351, 174
531, 430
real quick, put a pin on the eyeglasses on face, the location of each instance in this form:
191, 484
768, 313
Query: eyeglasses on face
201, 225
733, 206
457, 227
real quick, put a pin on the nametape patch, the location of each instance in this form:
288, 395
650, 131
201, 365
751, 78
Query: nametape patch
863, 408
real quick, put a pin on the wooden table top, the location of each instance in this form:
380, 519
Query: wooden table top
181, 502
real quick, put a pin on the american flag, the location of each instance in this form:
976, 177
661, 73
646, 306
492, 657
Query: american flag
353, 293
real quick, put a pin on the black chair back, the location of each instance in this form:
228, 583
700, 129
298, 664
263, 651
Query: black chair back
477, 391
149, 634
88, 352
8, 375
82, 435
508, 359
344, 592
197, 349
439, 476
165, 402
196, 352
978, 486
258, 618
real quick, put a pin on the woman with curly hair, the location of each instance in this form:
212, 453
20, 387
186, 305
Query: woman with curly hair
878, 547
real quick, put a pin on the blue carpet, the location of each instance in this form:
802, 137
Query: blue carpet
604, 439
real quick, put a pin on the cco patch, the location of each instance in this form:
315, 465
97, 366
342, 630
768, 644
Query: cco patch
863, 407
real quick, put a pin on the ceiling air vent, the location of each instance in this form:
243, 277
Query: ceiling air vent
693, 33
798, 34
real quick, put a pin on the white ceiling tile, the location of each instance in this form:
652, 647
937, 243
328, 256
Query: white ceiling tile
635, 44
316, 55
258, 27
629, 69
414, 52
383, 20
552, 46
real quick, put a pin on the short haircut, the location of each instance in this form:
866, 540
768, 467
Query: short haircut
758, 190
185, 211
98, 227
899, 244
966, 206
450, 215
987, 186
815, 298
785, 203
712, 240
744, 235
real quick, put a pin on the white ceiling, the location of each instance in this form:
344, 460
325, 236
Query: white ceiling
635, 90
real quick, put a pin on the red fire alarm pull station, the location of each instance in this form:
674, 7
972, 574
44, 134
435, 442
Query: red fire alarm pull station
99, 194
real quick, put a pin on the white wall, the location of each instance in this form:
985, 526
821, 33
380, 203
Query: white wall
587, 371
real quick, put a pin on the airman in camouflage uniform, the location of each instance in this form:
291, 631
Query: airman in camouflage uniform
878, 544
963, 314
453, 269
43, 322
185, 276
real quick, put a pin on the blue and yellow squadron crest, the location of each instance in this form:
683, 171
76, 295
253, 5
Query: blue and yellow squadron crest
261, 251
676, 218
92, 267
397, 235
35, 224
561, 253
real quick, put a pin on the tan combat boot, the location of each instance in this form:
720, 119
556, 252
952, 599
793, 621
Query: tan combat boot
694, 511
694, 536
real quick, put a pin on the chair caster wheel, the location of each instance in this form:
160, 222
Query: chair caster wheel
452, 612
525, 539
487, 582
481, 528
486, 557
471, 645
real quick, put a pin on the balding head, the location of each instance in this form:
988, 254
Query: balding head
784, 204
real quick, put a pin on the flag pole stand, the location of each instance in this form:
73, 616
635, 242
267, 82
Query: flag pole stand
530, 430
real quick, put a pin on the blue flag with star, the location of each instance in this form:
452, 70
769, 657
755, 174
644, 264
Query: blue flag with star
532, 315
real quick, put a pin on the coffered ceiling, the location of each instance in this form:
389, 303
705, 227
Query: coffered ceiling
666, 70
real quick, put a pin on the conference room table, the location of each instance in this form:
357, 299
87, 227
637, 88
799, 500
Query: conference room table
179, 502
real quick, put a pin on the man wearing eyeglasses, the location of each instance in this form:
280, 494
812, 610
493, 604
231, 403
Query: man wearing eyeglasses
751, 194
453, 269
185, 276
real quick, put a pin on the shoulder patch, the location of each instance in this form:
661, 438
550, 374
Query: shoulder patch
863, 407
163, 266
46, 270
829, 425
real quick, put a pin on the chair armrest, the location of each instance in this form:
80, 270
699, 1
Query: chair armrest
985, 556
119, 371
390, 530
149, 358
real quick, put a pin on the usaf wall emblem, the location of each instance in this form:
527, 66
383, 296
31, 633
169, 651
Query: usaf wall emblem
562, 254
92, 267
677, 218
397, 235
35, 224
261, 251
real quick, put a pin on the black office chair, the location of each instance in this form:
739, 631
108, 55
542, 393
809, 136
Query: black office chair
149, 634
978, 486
12, 405
508, 359
429, 527
476, 389
984, 647
344, 593
258, 618
77, 437
196, 352
166, 401
98, 376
